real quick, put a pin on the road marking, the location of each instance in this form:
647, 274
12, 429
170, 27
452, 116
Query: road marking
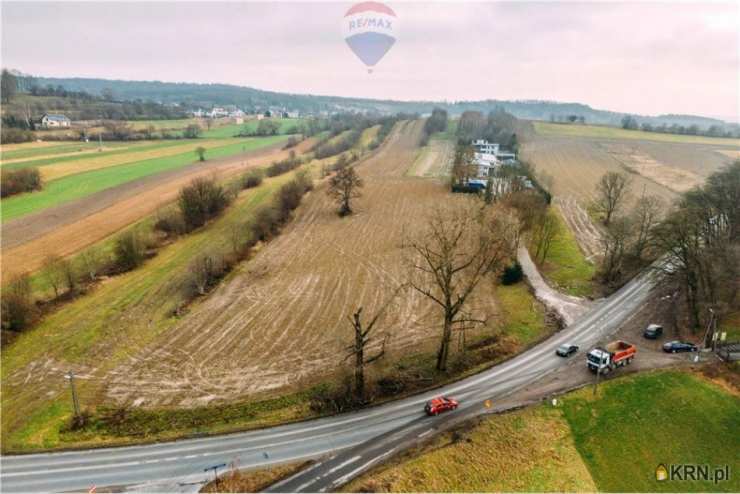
343, 464
359, 469
425, 433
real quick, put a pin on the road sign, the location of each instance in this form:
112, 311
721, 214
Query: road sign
487, 404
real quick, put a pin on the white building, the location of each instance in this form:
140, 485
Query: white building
51, 120
484, 147
218, 112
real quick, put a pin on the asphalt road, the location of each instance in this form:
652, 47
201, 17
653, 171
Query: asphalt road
180, 465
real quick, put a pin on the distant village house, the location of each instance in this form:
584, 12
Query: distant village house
51, 120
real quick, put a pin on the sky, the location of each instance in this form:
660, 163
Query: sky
645, 58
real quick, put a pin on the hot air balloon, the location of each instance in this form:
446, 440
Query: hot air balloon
369, 29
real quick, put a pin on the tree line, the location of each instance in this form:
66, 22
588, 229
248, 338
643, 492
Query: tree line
697, 240
631, 122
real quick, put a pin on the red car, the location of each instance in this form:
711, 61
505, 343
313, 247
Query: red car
439, 405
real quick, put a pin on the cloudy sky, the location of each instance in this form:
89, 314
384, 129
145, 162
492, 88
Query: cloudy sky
648, 58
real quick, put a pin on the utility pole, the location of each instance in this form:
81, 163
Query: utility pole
71, 376
596, 383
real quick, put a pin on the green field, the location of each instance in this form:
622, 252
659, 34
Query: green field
80, 185
286, 124
612, 442
565, 266
604, 132
642, 421
110, 149
31, 150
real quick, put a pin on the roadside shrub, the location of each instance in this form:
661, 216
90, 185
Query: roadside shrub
512, 274
200, 201
17, 181
17, 308
129, 251
252, 179
332, 398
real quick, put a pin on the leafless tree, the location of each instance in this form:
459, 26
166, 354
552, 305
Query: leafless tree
363, 337
544, 230
611, 194
343, 187
644, 218
460, 245
615, 241
53, 272
91, 260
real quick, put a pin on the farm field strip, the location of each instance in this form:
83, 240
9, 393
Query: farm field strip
604, 132
40, 152
106, 212
72, 160
80, 185
229, 130
107, 326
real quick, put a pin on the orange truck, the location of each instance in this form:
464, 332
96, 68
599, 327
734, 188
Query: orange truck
607, 358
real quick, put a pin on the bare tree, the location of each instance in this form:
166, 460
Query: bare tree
357, 350
53, 272
611, 193
615, 241
91, 262
544, 230
458, 248
645, 217
343, 187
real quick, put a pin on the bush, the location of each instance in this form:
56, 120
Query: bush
327, 398
200, 201
170, 222
10, 135
205, 271
129, 251
284, 166
17, 181
265, 223
512, 274
252, 179
17, 309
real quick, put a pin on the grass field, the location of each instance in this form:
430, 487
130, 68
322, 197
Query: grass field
612, 443
666, 418
604, 132
565, 266
109, 175
529, 450
286, 125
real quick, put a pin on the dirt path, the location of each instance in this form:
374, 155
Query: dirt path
280, 322
569, 308
70, 227
586, 232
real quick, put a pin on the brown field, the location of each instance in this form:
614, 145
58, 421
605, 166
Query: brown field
68, 228
281, 319
664, 168
576, 165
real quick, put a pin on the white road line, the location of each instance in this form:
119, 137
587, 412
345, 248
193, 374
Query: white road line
428, 431
359, 469
343, 464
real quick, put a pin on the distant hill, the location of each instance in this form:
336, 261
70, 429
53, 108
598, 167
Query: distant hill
208, 95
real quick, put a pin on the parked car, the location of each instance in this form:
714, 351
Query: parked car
439, 405
566, 350
653, 332
679, 346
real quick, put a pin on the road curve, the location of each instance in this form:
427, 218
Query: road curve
167, 464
